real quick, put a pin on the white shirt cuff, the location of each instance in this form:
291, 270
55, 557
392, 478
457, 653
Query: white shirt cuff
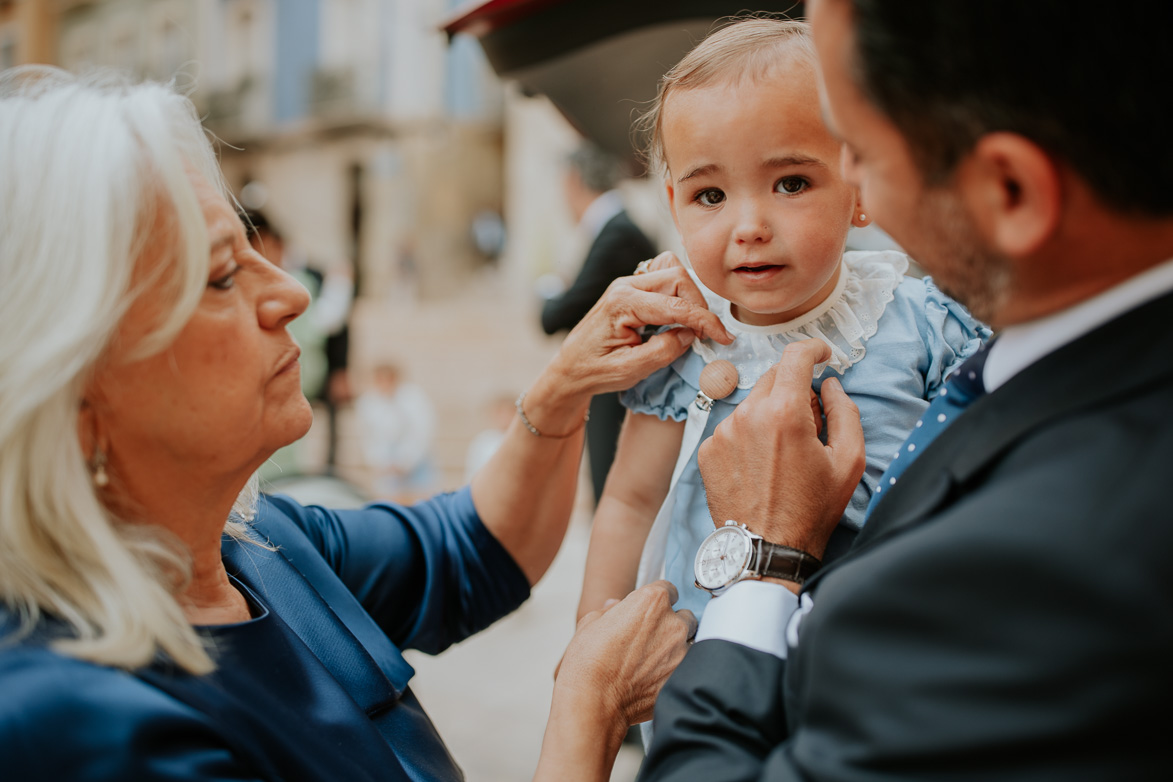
751, 613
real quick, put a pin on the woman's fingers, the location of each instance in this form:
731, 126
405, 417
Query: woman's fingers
627, 651
608, 349
666, 302
665, 260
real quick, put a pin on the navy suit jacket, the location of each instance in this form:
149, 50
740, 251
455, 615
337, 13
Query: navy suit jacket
314, 687
1006, 613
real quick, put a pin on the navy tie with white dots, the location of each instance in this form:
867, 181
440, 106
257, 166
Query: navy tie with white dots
962, 388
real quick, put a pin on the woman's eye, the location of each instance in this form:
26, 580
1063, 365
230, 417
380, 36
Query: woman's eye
791, 185
710, 197
226, 282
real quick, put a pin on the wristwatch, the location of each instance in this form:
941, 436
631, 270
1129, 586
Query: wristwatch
732, 553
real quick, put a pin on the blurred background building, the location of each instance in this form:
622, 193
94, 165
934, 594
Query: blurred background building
374, 142
366, 137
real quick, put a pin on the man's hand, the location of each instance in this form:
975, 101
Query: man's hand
765, 467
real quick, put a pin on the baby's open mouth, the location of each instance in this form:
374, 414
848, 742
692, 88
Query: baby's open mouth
759, 269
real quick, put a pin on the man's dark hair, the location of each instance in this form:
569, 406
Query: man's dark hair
1086, 81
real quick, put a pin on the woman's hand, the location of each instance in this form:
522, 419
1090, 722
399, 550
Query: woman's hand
605, 351
609, 678
525, 493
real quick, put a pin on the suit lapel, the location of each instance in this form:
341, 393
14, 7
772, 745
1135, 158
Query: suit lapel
1118, 359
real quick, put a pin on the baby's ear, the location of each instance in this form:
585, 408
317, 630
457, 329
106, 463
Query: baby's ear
671, 192
859, 215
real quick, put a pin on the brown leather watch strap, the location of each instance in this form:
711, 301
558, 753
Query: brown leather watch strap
784, 562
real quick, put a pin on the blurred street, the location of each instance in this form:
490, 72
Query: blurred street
490, 695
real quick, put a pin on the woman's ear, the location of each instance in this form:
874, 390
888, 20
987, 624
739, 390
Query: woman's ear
87, 429
91, 434
1013, 191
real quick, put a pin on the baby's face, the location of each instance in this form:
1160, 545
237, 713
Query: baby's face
756, 192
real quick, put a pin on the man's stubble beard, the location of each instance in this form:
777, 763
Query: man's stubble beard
957, 259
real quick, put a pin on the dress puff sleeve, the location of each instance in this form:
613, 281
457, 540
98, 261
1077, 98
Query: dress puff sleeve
951, 335
664, 394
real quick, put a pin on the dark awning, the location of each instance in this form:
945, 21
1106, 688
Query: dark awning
598, 61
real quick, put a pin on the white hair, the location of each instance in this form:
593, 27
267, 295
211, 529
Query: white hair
94, 169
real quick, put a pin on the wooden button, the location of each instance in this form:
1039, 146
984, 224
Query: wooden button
718, 379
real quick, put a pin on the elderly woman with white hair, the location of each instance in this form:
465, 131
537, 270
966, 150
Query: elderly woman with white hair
161, 620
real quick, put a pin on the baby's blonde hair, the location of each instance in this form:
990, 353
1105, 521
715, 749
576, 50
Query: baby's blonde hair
747, 47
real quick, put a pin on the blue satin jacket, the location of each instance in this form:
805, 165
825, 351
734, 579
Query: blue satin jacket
314, 687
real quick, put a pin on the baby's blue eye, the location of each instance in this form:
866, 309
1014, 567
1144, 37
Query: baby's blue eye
710, 197
790, 185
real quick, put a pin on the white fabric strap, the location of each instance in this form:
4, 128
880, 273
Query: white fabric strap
651, 561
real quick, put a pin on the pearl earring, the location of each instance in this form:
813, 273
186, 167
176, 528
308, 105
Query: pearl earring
98, 469
862, 217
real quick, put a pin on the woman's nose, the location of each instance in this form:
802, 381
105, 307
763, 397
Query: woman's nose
282, 299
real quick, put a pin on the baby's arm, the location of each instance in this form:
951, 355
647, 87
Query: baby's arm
635, 489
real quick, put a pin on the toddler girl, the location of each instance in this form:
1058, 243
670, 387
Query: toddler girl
754, 186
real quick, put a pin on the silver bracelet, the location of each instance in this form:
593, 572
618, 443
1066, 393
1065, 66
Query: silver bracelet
533, 429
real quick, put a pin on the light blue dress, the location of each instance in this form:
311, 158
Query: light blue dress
894, 340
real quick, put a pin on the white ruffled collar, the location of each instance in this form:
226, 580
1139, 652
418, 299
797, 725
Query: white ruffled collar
846, 319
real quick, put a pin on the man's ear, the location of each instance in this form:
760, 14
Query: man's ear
1013, 191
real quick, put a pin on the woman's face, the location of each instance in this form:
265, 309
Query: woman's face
226, 393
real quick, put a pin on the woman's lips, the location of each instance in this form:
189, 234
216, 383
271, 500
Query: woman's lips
291, 364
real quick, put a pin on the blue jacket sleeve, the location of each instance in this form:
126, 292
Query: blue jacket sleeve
430, 575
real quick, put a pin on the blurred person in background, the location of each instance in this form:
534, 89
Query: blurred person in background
500, 414
159, 619
323, 333
397, 423
617, 246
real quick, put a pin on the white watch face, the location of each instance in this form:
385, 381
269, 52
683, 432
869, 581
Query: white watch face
722, 558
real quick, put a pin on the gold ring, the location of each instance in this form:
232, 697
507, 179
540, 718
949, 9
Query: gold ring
644, 266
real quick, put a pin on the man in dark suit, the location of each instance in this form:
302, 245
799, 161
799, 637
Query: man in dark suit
1007, 611
617, 246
